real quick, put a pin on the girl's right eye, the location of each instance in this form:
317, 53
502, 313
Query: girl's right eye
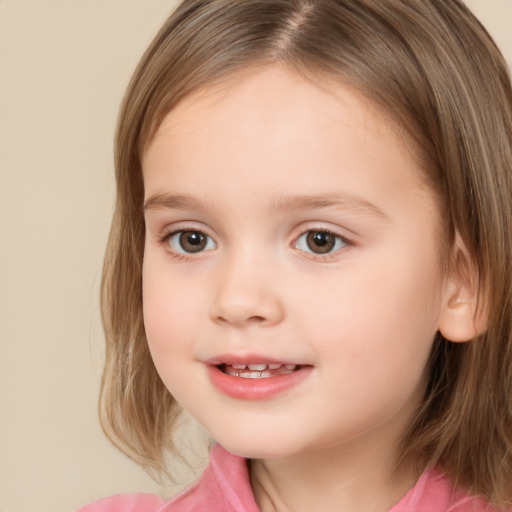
190, 242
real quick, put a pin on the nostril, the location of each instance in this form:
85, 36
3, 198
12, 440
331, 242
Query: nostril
256, 319
245, 305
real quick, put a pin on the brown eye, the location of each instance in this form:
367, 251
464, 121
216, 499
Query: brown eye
190, 242
320, 242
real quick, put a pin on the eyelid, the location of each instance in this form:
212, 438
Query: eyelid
165, 237
184, 225
318, 227
175, 240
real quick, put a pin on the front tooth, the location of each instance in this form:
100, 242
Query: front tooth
239, 366
274, 366
258, 367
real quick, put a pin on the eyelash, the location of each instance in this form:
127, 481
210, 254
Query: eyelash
347, 244
332, 254
182, 255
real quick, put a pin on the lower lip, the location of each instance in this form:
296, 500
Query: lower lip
256, 389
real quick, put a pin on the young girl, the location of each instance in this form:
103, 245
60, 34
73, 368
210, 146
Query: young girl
311, 253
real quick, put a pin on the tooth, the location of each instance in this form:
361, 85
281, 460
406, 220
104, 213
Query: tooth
264, 375
258, 367
239, 366
274, 366
232, 371
246, 375
290, 366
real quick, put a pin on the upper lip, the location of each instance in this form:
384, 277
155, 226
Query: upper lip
230, 359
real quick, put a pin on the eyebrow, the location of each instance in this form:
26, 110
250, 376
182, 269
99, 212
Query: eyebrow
170, 201
344, 201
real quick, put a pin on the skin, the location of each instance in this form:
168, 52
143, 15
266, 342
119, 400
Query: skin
362, 316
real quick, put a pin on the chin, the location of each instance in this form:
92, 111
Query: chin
259, 447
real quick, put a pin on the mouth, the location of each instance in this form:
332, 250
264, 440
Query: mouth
258, 370
254, 379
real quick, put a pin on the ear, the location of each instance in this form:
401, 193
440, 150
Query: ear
464, 313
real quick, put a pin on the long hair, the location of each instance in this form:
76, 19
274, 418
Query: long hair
435, 70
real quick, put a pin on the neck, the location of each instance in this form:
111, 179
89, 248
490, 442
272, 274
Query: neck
362, 478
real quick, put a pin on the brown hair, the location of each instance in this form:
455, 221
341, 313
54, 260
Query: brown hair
432, 66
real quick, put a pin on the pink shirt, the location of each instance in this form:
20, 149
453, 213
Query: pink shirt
224, 487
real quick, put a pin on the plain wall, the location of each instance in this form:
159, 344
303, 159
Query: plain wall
63, 69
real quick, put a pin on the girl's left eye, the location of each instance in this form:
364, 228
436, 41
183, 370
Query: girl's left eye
320, 242
190, 242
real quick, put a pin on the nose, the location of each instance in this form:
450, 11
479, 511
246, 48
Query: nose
247, 293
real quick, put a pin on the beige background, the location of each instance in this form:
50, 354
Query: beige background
63, 68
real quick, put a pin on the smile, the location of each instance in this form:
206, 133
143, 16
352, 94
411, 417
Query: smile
256, 381
258, 371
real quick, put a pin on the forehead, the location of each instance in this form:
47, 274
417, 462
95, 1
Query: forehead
282, 91
272, 118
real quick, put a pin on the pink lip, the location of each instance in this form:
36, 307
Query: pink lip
253, 389
246, 359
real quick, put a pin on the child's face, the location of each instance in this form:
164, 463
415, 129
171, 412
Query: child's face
289, 225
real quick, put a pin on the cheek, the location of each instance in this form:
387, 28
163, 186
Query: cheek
166, 333
379, 315
172, 311
167, 313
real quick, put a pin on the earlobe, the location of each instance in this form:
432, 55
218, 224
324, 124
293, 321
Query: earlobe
462, 320
463, 316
